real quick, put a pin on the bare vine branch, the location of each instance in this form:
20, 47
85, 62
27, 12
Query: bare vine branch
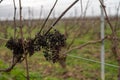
61, 16
27, 69
103, 6
82, 24
87, 6
117, 16
10, 68
114, 39
15, 29
1, 1
21, 26
81, 6
48, 17
85, 44
21, 32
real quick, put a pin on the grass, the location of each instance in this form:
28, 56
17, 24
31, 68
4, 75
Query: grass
77, 69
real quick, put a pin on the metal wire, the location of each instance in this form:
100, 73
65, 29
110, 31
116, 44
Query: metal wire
90, 60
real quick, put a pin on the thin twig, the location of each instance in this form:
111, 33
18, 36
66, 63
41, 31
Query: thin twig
113, 35
48, 17
15, 29
103, 6
81, 7
14, 62
21, 32
41, 12
10, 68
27, 69
117, 17
87, 6
73, 39
76, 32
85, 44
29, 23
61, 16
1, 1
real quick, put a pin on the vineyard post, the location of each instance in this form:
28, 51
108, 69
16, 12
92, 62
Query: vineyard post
102, 45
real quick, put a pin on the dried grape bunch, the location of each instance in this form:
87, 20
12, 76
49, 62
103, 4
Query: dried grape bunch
55, 41
29, 46
51, 44
40, 42
20, 48
17, 48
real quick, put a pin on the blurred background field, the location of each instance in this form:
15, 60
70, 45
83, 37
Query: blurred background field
76, 68
81, 24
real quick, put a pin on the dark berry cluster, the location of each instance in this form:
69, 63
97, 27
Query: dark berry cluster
29, 46
51, 44
55, 41
17, 47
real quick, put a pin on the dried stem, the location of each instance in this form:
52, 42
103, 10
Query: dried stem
21, 32
87, 6
103, 6
117, 16
81, 7
1, 1
41, 11
14, 19
27, 69
29, 23
85, 44
74, 37
48, 17
14, 62
114, 36
10, 68
61, 16
82, 24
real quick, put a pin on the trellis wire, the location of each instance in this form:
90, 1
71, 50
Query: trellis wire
91, 60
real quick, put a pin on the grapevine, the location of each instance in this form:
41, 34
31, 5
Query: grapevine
50, 43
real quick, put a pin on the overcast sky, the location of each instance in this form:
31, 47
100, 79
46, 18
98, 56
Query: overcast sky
6, 7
